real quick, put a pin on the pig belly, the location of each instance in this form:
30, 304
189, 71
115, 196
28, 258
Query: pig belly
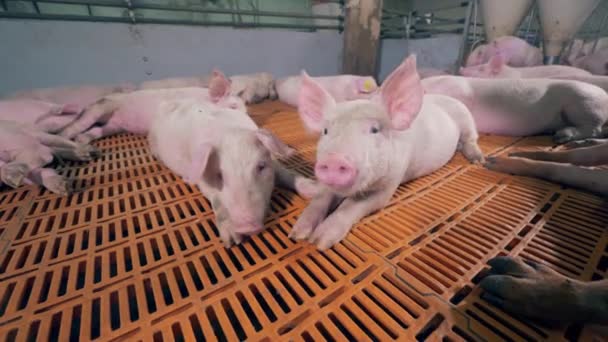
514, 123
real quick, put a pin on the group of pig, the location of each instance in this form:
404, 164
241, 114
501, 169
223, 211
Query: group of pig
372, 138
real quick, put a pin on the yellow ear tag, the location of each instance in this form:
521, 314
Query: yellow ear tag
369, 85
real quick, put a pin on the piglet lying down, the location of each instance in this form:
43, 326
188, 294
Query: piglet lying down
25, 150
229, 158
48, 117
133, 112
369, 147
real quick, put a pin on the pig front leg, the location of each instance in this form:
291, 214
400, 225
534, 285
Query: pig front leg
97, 112
287, 179
95, 133
50, 180
66, 148
592, 180
56, 123
337, 225
224, 225
312, 215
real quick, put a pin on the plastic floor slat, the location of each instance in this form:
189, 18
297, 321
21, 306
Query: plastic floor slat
135, 255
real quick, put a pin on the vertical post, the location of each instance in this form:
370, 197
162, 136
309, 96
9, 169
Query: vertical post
361, 37
465, 36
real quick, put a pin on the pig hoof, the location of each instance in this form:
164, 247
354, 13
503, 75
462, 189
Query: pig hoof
307, 188
57, 185
473, 153
329, 233
301, 231
83, 139
13, 174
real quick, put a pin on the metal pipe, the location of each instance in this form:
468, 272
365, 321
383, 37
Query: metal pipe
465, 37
163, 21
137, 4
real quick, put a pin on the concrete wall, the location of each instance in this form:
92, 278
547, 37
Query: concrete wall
439, 52
38, 53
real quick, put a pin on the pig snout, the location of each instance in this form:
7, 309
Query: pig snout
336, 171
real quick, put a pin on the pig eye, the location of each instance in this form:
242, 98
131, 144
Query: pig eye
261, 166
219, 176
374, 130
325, 131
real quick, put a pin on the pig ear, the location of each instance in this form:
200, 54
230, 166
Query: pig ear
219, 86
496, 63
401, 94
366, 85
276, 147
204, 165
313, 101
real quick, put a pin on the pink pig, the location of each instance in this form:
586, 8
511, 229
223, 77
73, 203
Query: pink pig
78, 96
572, 110
341, 88
229, 158
369, 147
46, 116
596, 63
134, 112
25, 150
517, 52
496, 68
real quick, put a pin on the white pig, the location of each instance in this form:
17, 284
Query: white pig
368, 147
134, 112
496, 68
517, 52
229, 158
25, 150
48, 117
341, 88
519, 107
78, 97
252, 88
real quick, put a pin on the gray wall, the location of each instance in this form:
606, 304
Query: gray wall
36, 53
439, 52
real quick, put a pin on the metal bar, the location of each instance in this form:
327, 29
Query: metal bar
599, 31
465, 37
35, 3
4, 6
137, 4
163, 21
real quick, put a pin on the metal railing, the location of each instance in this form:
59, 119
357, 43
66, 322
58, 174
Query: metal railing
142, 11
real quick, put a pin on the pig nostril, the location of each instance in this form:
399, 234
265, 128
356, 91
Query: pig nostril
342, 169
323, 167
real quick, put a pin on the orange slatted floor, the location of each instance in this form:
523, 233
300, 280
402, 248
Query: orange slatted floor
135, 255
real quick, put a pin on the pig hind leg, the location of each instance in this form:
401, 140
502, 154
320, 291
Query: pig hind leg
95, 113
15, 171
585, 122
467, 143
50, 179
